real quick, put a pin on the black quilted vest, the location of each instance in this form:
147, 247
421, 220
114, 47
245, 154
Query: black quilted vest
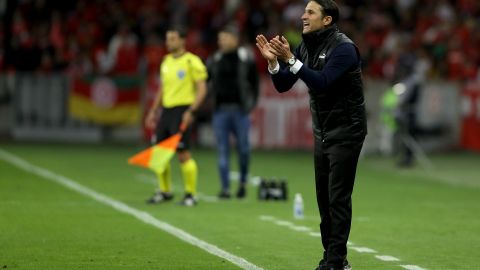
338, 113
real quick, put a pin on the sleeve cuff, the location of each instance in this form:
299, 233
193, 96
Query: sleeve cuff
275, 69
296, 67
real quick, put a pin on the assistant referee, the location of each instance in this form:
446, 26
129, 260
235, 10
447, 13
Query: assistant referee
183, 89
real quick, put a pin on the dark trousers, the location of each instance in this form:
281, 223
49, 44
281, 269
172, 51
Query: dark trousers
232, 120
406, 132
335, 168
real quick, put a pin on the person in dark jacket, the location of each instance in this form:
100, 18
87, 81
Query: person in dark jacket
233, 83
329, 64
408, 92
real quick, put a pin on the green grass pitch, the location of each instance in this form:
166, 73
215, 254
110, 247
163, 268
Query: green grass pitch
424, 219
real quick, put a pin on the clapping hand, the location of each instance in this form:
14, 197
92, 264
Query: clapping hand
266, 50
280, 47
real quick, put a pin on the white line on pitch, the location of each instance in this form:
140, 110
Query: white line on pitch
147, 179
387, 258
363, 249
350, 245
315, 234
124, 208
287, 224
300, 228
283, 223
207, 198
412, 267
268, 218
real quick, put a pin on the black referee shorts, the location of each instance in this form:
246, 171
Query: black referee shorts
169, 124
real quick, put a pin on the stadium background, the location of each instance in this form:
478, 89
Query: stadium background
48, 48
77, 76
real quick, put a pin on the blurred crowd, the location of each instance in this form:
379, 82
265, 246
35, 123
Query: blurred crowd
437, 38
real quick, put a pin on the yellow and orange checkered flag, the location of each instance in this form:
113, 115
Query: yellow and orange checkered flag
158, 156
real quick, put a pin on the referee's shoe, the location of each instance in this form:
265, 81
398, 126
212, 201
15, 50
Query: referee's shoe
160, 197
188, 200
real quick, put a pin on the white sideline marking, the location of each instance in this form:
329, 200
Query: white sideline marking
121, 207
147, 179
387, 258
362, 219
300, 228
267, 218
350, 245
206, 198
287, 224
252, 180
284, 223
363, 249
412, 267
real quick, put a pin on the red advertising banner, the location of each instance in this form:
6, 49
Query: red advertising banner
282, 120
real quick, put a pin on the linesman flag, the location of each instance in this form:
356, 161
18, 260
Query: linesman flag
158, 156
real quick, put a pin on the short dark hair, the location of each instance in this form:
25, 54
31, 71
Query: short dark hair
231, 29
182, 32
330, 8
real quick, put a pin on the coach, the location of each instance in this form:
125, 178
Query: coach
329, 64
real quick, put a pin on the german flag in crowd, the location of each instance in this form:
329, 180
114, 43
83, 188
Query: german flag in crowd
106, 100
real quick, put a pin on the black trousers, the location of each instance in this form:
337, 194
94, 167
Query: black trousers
335, 168
169, 125
406, 130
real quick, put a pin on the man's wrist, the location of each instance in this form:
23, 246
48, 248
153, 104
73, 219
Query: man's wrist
272, 63
291, 60
274, 69
295, 68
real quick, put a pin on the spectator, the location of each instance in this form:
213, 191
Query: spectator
122, 55
234, 85
375, 27
407, 90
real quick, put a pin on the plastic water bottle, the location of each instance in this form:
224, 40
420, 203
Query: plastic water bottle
298, 207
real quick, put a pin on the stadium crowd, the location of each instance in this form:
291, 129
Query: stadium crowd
127, 36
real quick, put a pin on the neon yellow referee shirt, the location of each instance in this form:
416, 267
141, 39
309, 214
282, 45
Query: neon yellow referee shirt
178, 77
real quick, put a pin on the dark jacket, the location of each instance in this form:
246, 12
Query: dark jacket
233, 79
331, 71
